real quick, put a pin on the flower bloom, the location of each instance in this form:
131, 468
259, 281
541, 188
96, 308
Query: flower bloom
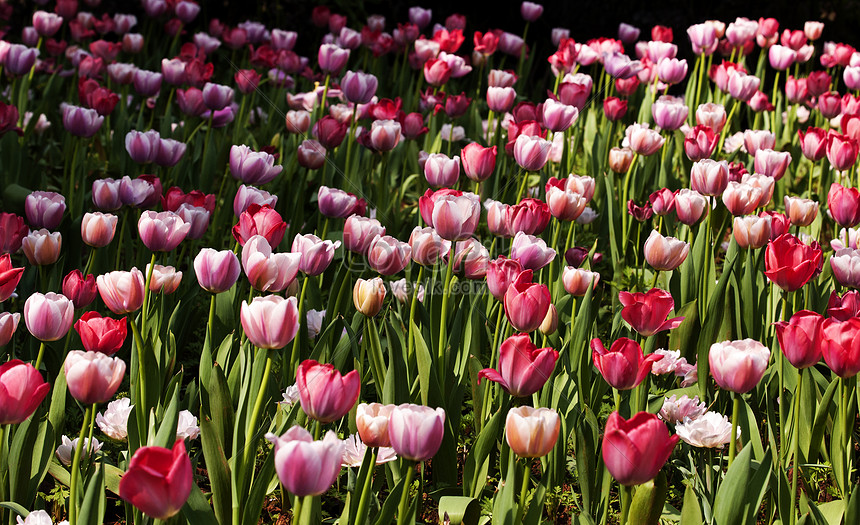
710, 430
646, 312
532, 432
326, 395
306, 467
416, 431
93, 377
523, 368
158, 480
623, 365
790, 264
22, 389
122, 292
271, 321
634, 450
738, 366
48, 316
799, 338
665, 253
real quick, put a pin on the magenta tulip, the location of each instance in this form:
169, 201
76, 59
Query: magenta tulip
523, 367
325, 394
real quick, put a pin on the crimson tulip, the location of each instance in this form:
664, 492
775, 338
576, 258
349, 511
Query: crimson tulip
646, 312
101, 334
845, 307
840, 345
501, 272
158, 480
789, 263
22, 389
634, 450
260, 220
9, 277
799, 338
325, 394
523, 367
623, 365
844, 205
79, 289
526, 303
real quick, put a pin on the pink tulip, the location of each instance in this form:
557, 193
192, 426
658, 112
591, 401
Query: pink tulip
526, 303
247, 195
22, 390
711, 115
643, 140
845, 264
801, 212
442, 171
49, 316
371, 421
690, 206
478, 162
665, 253
385, 134
772, 163
270, 322
387, 255
531, 152
844, 205
523, 368
8, 327
44, 209
709, 177
217, 271
471, 258
742, 86
325, 394
332, 58
163, 231
781, 57
622, 366
634, 450
165, 279
455, 217
841, 151
368, 296
427, 246
316, 253
122, 292
335, 203
498, 218
42, 247
501, 273
532, 432
358, 232
577, 281
738, 366
93, 377
741, 199
558, 116
646, 312
751, 231
79, 289
304, 466
98, 229
252, 167
416, 431
500, 99
757, 139
532, 252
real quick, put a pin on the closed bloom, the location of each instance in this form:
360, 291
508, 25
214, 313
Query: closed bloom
81, 122
845, 264
441, 171
416, 431
336, 203
42, 247
44, 209
646, 312
478, 162
532, 432
165, 279
252, 167
799, 338
114, 422
358, 87
841, 151
531, 152
710, 430
643, 140
801, 212
700, 143
260, 220
358, 232
840, 345
9, 276
620, 159
813, 143
772, 163
247, 195
558, 116
163, 231
741, 199
316, 253
669, 113
98, 229
690, 206
13, 229
368, 296
22, 390
526, 303
101, 334
455, 217
634, 450
532, 252
79, 289
501, 273
709, 177
93, 377
742, 86
325, 394
270, 322
523, 367
384, 134
142, 147
577, 281
8, 326
122, 292
665, 253
217, 271
844, 205
371, 421
48, 317
755, 140
623, 365
332, 58
711, 115
158, 480
387, 255
427, 246
738, 366
306, 467
751, 231
790, 264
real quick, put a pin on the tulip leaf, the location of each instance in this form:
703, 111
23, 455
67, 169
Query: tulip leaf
711, 325
852, 511
819, 424
57, 412
389, 507
92, 509
691, 513
731, 506
217, 469
784, 498
166, 435
748, 423
197, 509
253, 503
680, 337
648, 501
480, 452
505, 505
425, 365
15, 507
460, 510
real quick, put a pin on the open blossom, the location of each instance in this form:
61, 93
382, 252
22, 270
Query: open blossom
710, 430
114, 421
677, 409
66, 450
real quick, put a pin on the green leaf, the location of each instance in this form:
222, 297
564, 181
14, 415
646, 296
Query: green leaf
197, 509
460, 510
389, 507
217, 469
730, 505
647, 504
18, 509
481, 450
95, 500
505, 505
819, 424
712, 322
166, 435
852, 512
691, 513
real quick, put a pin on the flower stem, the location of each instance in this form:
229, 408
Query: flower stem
364, 502
524, 493
140, 410
626, 496
76, 467
40, 355
795, 442
250, 430
404, 497
443, 319
143, 310
294, 358
297, 509
733, 440
209, 331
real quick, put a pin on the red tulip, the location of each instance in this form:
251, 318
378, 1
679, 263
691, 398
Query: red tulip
813, 143
478, 161
9, 276
530, 216
325, 394
101, 334
526, 303
799, 338
80, 290
623, 365
790, 264
635, 449
13, 229
646, 312
260, 220
22, 389
840, 345
158, 480
523, 367
501, 273
844, 205
841, 151
845, 307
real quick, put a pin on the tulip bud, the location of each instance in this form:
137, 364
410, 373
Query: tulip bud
665, 253
368, 295
532, 432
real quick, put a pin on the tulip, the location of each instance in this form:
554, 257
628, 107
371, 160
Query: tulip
8, 327
81, 291
498, 218
523, 368
623, 366
13, 229
46, 24
358, 232
526, 303
619, 65
501, 273
42, 247
801, 212
662, 201
252, 167
416, 431
20, 59
614, 108
441, 171
646, 312
742, 86
790, 264
298, 121
122, 292
690, 206
101, 334
839, 344
437, 72
247, 195
557, 116
81, 122
738, 366
332, 58
531, 152
455, 217
829, 104
471, 258
799, 338
532, 432
844, 205
371, 421
577, 281
564, 204
762, 182
669, 113
387, 255
368, 295
98, 229
772, 163
478, 162
169, 153
142, 192
358, 87
845, 264
162, 232
114, 422
700, 143
385, 134
709, 177
142, 147
93, 377
22, 390
620, 159
710, 430
306, 467
665, 253
627, 33
634, 450
741, 199
532, 252
427, 246
49, 316
335, 203
44, 209
751, 231
640, 213
9, 277
316, 253
65, 453
158, 481
781, 57
260, 220
841, 151
755, 140
325, 394
643, 140
813, 143
711, 115
217, 97
270, 322
217, 271
165, 279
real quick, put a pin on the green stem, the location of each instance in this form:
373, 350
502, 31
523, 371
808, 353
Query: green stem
625, 217
364, 502
412, 308
404, 497
727, 128
733, 440
626, 496
795, 447
76, 467
443, 319
140, 410
297, 510
90, 261
250, 430
143, 310
524, 493
294, 358
522, 186
209, 331
40, 355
